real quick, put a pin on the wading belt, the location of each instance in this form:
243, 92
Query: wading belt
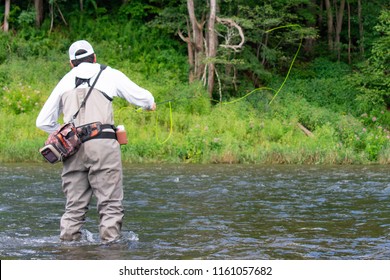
95, 131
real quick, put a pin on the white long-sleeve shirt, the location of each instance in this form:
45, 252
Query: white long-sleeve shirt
111, 82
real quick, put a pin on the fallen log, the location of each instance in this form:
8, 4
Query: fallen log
305, 130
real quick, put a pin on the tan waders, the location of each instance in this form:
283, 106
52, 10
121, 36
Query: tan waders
85, 98
96, 169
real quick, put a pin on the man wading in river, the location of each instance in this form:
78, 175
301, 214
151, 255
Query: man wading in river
96, 168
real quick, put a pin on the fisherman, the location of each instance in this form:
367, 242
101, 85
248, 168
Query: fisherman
96, 168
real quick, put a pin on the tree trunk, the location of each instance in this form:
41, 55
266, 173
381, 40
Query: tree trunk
361, 32
349, 33
39, 12
339, 25
320, 19
265, 44
309, 42
6, 15
329, 16
197, 41
190, 50
212, 47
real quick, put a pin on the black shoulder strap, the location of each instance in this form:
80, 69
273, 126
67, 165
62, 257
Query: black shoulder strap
102, 67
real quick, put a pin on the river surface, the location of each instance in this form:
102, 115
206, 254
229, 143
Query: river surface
208, 212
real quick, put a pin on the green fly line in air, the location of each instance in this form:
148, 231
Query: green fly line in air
276, 92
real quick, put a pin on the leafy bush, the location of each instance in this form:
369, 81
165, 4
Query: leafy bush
372, 80
327, 86
19, 99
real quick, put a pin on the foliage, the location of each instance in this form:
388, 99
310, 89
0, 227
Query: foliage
19, 99
373, 80
344, 106
325, 84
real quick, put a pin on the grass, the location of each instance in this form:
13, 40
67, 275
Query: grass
189, 129
221, 136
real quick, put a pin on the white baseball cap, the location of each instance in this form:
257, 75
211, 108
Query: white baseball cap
80, 45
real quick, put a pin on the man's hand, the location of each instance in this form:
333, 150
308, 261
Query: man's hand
153, 107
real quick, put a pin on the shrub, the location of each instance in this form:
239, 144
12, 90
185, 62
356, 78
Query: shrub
19, 99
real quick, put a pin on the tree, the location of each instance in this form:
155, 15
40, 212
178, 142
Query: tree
202, 44
52, 5
39, 16
194, 42
329, 20
339, 25
361, 28
211, 46
6, 15
334, 30
373, 81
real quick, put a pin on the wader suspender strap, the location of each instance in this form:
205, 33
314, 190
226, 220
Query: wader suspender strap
102, 67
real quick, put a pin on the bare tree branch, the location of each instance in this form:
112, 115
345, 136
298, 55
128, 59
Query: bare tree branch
232, 23
62, 16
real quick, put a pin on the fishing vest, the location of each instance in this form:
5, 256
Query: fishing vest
98, 107
84, 120
95, 118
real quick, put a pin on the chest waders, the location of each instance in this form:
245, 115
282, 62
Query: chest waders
95, 170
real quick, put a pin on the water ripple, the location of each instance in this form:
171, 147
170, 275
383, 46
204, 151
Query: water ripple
208, 212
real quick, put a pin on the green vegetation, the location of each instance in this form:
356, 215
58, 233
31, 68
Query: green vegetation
344, 107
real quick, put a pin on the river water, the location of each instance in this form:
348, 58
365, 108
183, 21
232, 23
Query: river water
208, 212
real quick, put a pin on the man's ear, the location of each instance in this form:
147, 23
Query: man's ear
94, 58
71, 64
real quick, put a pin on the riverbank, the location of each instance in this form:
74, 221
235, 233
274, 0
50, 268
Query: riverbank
192, 130
318, 116
224, 134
